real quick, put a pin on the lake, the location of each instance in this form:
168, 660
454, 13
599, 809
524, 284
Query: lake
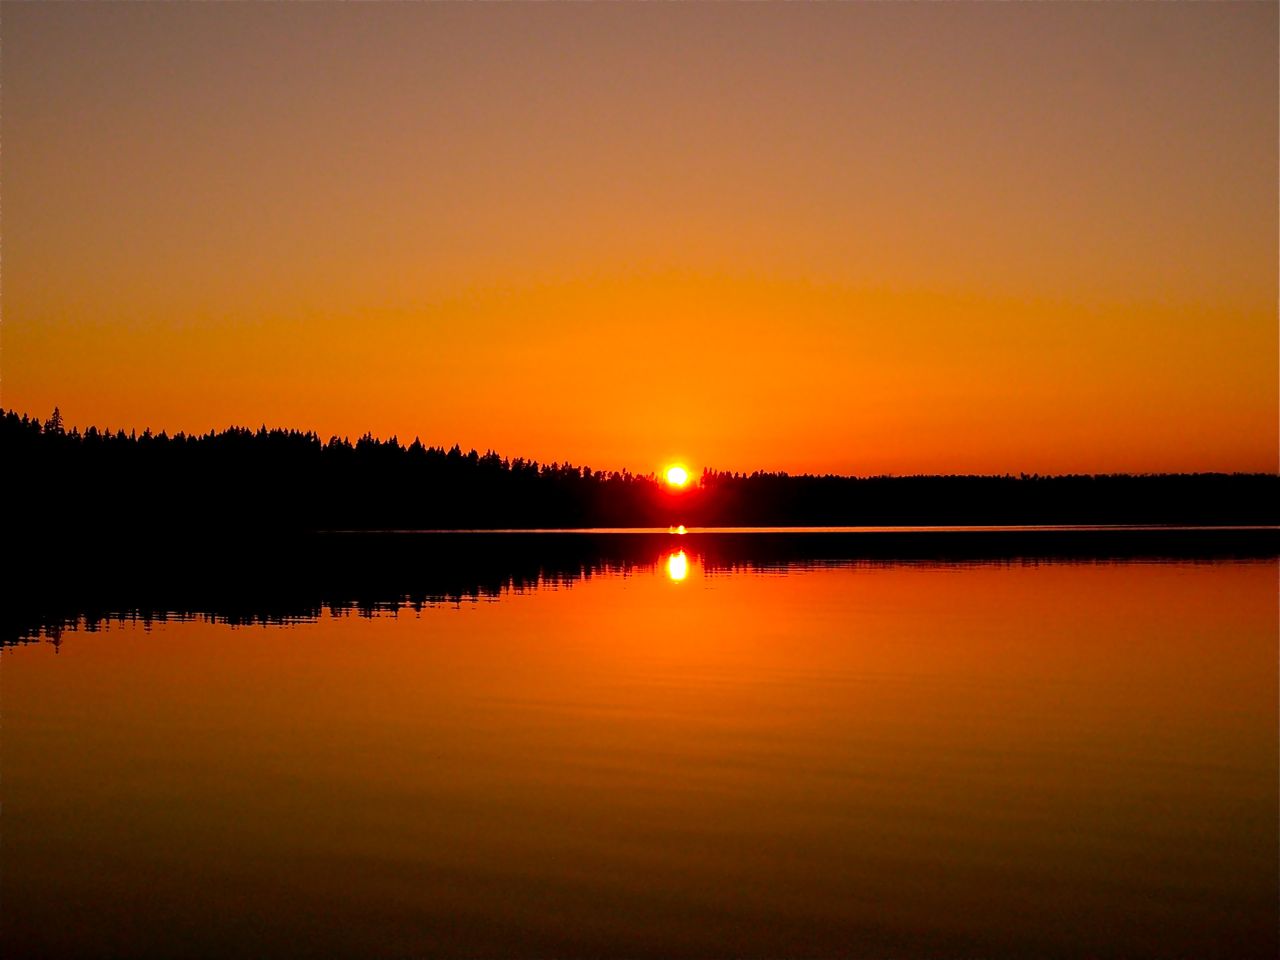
672, 752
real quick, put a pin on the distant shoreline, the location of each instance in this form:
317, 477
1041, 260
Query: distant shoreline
68, 484
832, 530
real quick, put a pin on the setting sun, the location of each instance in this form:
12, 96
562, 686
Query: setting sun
718, 461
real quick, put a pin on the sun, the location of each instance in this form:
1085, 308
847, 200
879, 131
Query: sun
677, 476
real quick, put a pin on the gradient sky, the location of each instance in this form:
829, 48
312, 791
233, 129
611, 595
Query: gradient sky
867, 238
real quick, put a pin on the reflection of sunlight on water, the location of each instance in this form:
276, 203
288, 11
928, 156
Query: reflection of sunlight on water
677, 566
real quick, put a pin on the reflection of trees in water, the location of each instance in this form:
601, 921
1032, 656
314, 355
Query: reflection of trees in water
284, 580
296, 579
280, 610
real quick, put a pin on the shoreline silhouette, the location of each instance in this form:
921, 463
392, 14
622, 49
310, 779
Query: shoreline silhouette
69, 483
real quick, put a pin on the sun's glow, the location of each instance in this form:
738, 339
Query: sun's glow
677, 566
677, 476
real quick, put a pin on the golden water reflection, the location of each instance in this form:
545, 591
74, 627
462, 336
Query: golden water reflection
890, 760
678, 566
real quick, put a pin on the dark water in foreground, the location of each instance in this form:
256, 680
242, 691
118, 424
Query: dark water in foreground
673, 757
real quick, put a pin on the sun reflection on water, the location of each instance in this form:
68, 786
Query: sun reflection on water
677, 566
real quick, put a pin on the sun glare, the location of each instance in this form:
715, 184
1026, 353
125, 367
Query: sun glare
677, 566
677, 476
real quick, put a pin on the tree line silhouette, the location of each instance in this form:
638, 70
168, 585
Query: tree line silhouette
70, 482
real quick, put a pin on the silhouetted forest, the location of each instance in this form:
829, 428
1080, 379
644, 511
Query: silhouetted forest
73, 483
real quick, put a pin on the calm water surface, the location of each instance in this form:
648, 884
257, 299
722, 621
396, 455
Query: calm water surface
1019, 759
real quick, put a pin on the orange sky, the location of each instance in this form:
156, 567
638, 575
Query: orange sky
854, 238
